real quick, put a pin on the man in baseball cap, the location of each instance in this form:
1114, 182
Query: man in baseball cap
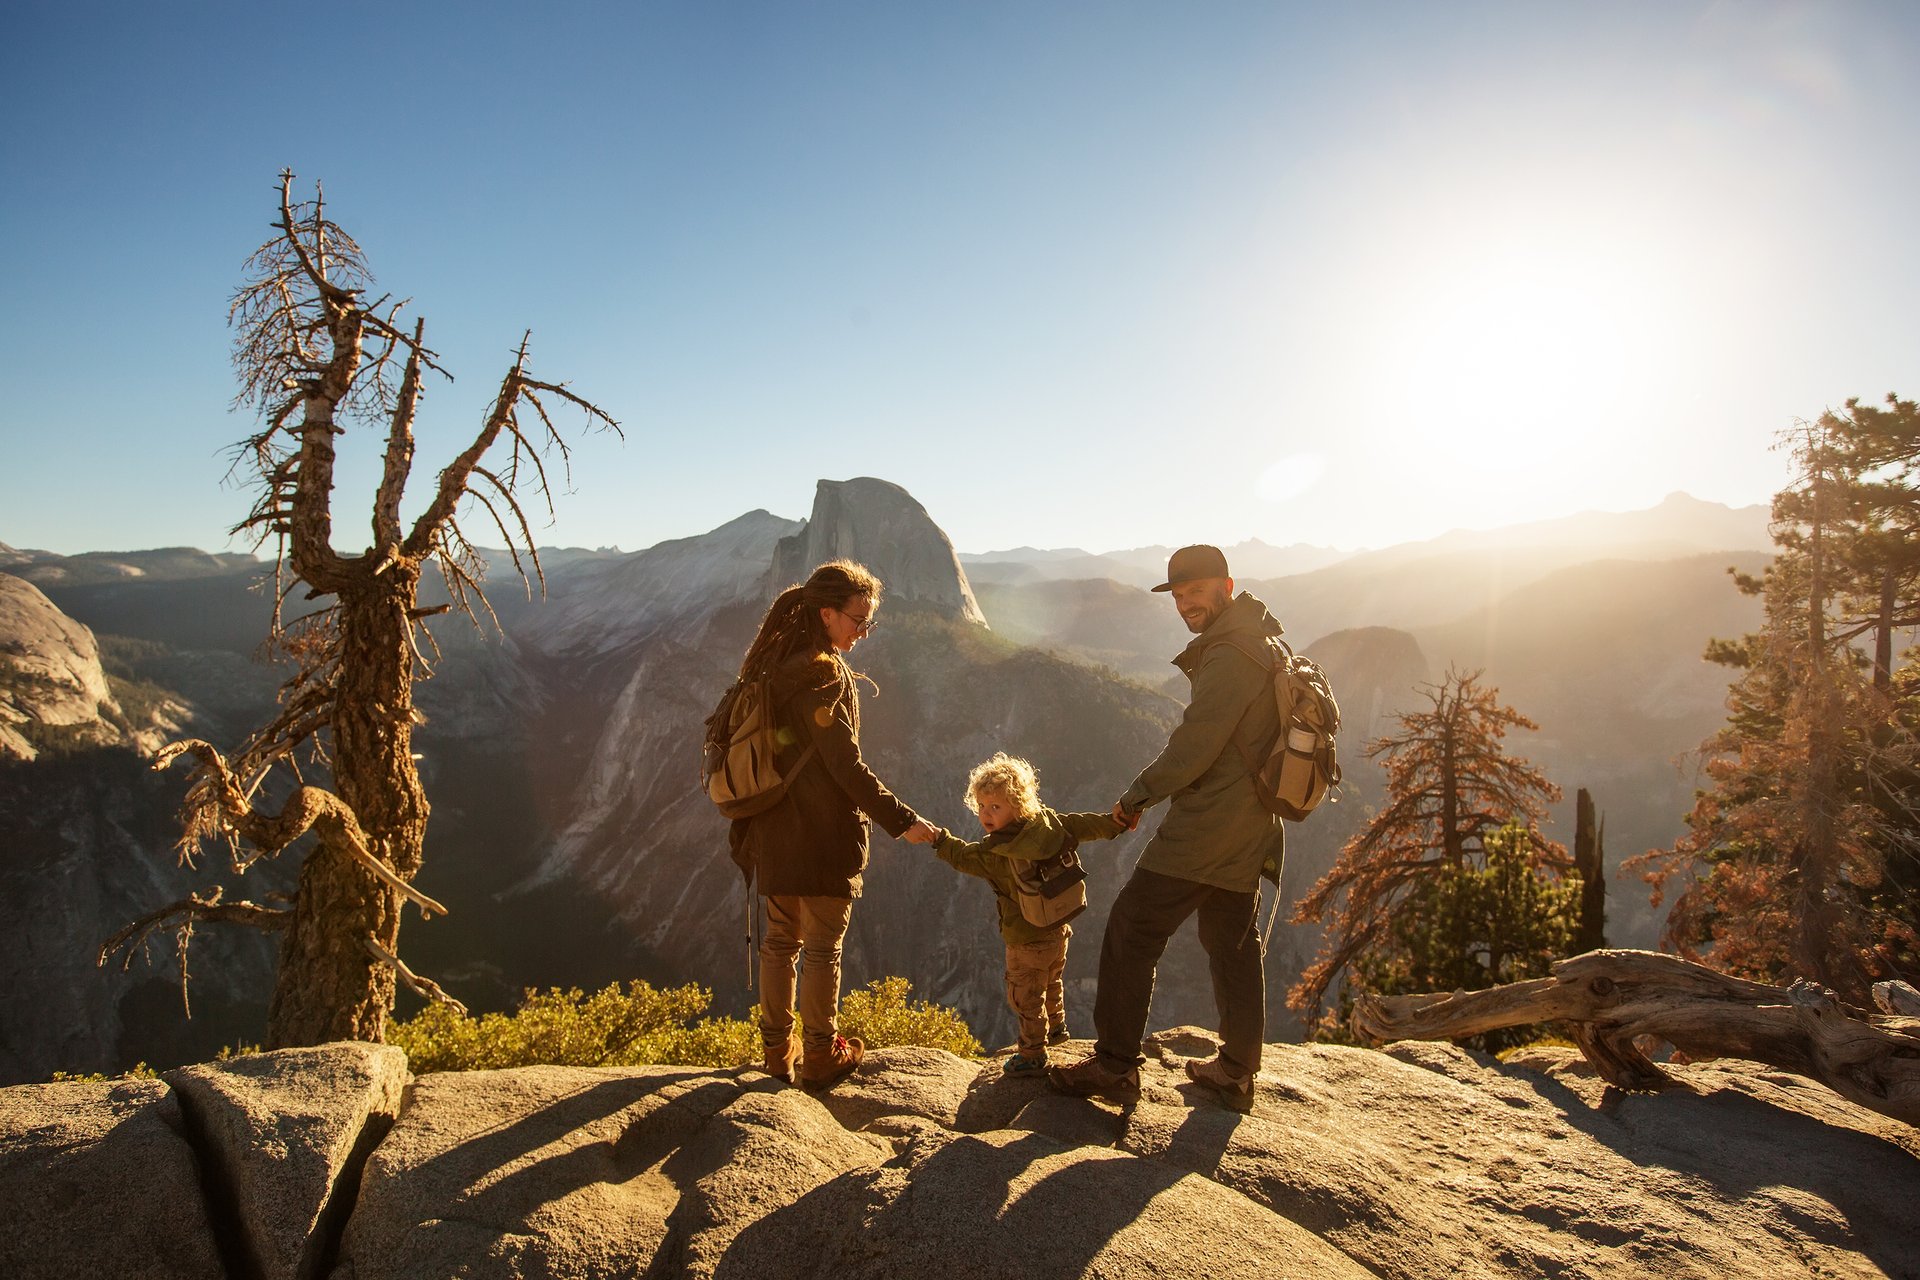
1206, 857
1191, 564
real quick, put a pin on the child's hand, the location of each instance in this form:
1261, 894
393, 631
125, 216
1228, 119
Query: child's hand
1128, 818
921, 832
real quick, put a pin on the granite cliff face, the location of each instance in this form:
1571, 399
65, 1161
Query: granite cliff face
51, 681
1422, 1162
85, 846
880, 525
667, 592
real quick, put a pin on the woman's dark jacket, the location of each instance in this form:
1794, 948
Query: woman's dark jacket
814, 841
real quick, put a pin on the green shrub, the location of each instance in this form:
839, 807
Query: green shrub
640, 1024
139, 1071
882, 1014
616, 1026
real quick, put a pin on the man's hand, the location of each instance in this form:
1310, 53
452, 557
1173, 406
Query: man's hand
1128, 818
921, 832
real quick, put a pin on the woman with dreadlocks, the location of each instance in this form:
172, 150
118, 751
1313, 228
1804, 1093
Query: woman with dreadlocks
806, 853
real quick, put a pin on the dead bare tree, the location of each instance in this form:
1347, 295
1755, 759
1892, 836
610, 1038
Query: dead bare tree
314, 355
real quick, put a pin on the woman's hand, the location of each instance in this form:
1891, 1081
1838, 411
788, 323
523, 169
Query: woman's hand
921, 832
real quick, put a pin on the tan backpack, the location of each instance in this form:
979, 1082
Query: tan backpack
1053, 890
1301, 766
737, 769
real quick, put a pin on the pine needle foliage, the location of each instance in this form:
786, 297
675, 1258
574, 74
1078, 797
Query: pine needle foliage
1802, 858
1467, 927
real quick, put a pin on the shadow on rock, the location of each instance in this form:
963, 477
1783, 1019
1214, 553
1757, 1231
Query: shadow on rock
1006, 1203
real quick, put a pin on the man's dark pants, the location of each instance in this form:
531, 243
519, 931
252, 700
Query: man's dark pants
1149, 910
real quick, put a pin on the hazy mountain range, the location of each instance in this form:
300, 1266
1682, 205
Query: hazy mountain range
571, 842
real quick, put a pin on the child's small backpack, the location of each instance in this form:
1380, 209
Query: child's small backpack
1053, 890
1301, 766
737, 769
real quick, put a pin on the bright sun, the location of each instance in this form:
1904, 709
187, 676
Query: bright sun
1514, 361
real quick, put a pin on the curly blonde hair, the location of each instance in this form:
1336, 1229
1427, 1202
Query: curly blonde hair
1010, 777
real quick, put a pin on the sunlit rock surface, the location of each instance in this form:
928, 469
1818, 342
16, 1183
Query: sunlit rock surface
1420, 1161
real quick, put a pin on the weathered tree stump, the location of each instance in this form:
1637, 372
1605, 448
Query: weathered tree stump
1609, 998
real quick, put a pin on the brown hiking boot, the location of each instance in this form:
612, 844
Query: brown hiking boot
1091, 1077
1235, 1089
835, 1065
777, 1058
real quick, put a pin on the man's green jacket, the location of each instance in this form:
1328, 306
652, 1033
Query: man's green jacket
1216, 831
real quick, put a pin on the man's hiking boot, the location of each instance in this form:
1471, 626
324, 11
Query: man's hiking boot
1235, 1089
834, 1066
1091, 1078
777, 1058
1057, 1033
1021, 1065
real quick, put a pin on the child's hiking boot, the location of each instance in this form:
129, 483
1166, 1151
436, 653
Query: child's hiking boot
1092, 1077
1057, 1033
1235, 1088
777, 1058
835, 1065
1020, 1065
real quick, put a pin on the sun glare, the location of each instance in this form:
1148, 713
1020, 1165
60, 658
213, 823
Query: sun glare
1518, 362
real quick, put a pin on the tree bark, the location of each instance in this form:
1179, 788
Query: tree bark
330, 987
1613, 997
1883, 633
1589, 859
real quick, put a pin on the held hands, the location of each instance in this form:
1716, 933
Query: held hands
921, 832
1128, 818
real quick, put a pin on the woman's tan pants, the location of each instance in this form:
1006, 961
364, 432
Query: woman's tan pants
809, 929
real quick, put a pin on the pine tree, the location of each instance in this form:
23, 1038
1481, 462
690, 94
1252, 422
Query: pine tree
1451, 789
1789, 858
1470, 926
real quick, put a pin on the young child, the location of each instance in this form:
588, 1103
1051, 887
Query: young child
1005, 793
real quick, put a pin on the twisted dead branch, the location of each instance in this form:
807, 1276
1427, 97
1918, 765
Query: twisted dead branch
1612, 998
182, 916
216, 807
426, 988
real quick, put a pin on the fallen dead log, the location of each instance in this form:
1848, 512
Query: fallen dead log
1610, 998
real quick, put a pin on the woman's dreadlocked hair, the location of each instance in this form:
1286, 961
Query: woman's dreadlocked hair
793, 625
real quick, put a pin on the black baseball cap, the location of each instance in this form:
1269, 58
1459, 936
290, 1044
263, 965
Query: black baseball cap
1190, 563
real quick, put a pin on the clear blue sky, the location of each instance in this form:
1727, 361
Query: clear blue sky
1098, 274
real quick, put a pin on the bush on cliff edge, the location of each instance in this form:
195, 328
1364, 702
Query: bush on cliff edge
639, 1024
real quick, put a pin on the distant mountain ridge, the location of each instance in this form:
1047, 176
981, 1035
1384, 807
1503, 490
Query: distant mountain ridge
44, 568
1137, 566
1678, 525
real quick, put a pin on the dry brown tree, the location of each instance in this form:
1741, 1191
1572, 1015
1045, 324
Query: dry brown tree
314, 355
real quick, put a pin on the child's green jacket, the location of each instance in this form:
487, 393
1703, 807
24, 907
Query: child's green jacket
1033, 840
